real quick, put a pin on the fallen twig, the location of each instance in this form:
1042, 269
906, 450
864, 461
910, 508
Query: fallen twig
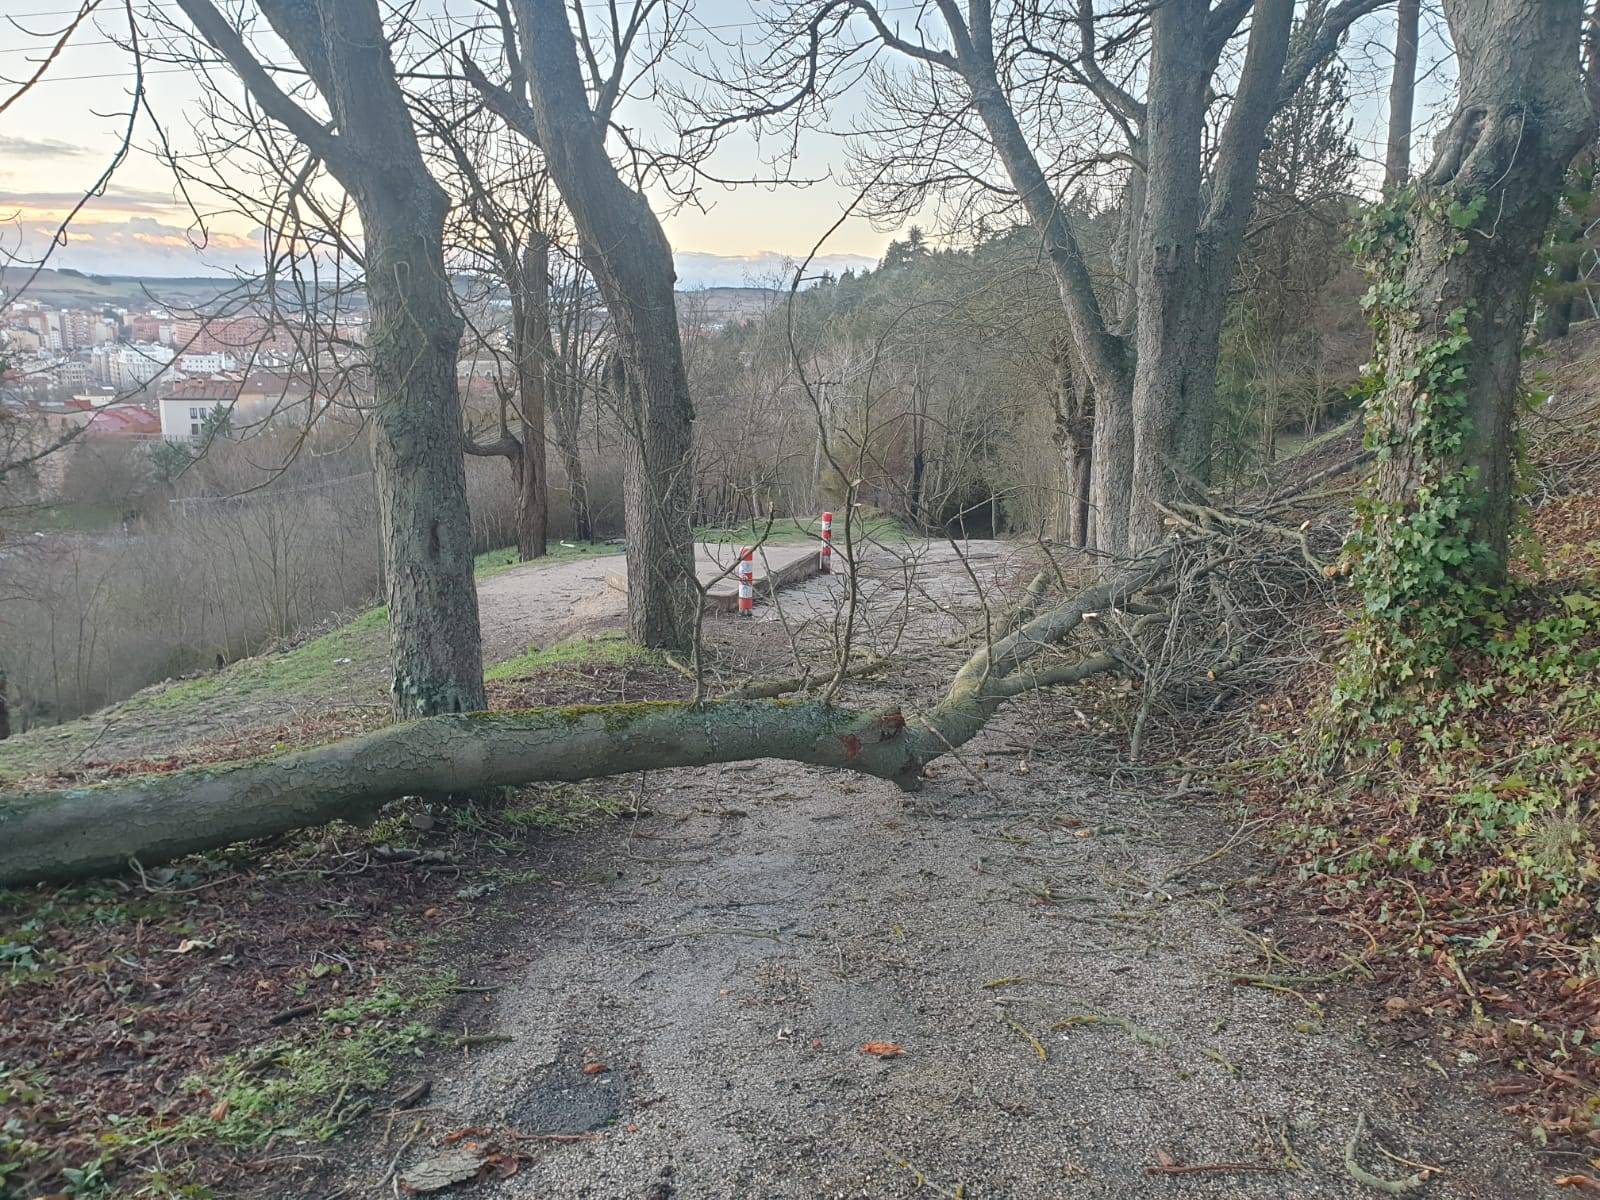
1394, 1187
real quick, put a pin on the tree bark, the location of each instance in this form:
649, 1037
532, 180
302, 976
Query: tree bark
1190, 245
568, 446
1074, 427
413, 332
413, 336
627, 252
80, 831
535, 357
1402, 94
1471, 241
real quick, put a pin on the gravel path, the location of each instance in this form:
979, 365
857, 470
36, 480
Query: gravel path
1046, 952
762, 925
539, 604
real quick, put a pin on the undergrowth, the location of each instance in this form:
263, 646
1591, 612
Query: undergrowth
1442, 834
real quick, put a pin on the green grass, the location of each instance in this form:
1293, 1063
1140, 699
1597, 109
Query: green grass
611, 650
309, 1086
317, 666
310, 669
70, 518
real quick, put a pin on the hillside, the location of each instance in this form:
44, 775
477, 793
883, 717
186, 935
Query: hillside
1438, 871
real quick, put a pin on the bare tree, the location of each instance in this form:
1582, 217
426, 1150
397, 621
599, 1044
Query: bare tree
503, 220
578, 339
548, 100
371, 147
1148, 343
1402, 94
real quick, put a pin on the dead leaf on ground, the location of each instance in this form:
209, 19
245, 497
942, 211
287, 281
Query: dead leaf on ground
595, 1068
1164, 1159
883, 1049
1587, 1182
445, 1171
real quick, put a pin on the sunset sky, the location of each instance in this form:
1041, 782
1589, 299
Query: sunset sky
57, 139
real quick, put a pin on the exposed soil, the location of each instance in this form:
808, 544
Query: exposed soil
537, 604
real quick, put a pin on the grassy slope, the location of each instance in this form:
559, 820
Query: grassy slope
346, 662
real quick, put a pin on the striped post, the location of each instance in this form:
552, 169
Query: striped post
747, 581
827, 543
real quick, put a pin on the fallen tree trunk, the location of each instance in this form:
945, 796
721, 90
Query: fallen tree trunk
91, 830
73, 832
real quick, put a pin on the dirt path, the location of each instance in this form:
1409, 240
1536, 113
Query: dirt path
762, 925
1053, 964
537, 604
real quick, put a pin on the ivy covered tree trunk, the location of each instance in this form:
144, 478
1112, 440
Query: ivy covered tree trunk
1454, 257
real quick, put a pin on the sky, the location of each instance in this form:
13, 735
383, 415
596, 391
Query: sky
56, 140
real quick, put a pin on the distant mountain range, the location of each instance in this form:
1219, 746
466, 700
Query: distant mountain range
697, 270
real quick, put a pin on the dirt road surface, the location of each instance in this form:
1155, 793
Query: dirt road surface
1050, 955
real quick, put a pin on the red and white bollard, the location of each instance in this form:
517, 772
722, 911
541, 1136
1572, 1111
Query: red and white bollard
747, 581
827, 543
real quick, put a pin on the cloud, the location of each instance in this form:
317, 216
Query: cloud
118, 200
132, 245
20, 147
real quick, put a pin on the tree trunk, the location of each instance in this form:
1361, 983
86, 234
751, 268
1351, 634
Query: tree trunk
626, 251
919, 468
535, 355
1074, 430
577, 487
413, 332
1103, 355
1190, 246
1402, 94
1463, 259
87, 830
1556, 320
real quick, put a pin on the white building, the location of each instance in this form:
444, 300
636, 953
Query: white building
130, 366
210, 363
185, 410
